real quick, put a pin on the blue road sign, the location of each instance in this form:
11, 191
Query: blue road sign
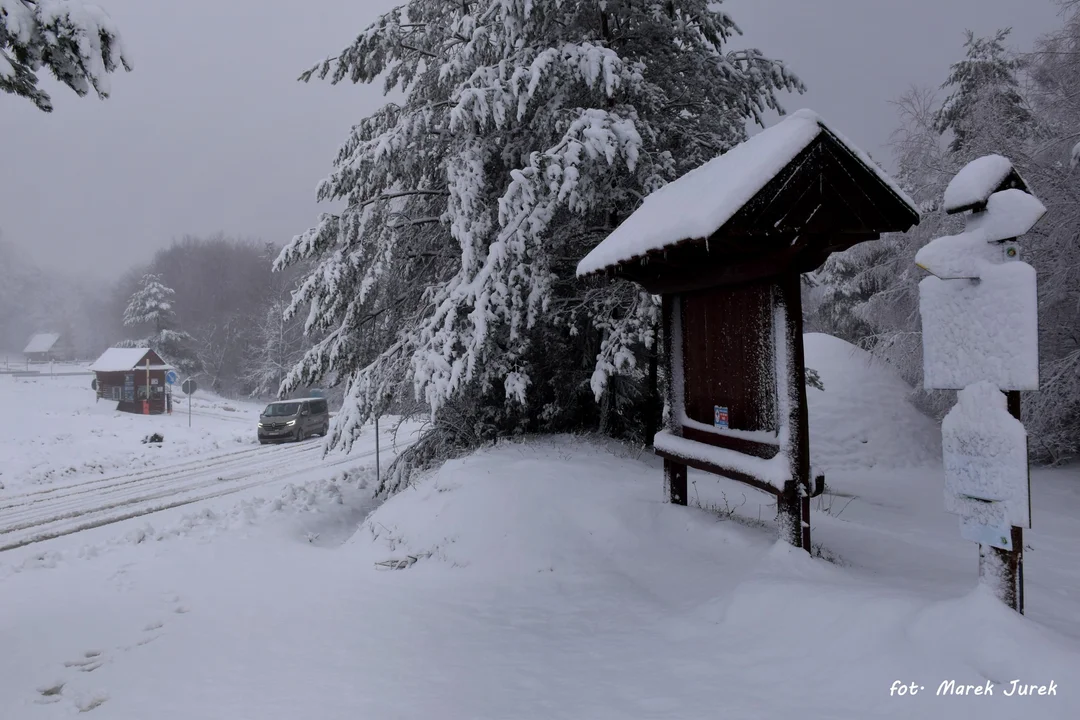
171, 377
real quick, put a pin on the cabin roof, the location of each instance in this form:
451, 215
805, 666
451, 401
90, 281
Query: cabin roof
700, 203
123, 359
42, 342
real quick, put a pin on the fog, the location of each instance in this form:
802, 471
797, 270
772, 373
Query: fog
213, 133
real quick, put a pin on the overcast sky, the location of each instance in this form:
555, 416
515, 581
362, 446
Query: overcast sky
211, 132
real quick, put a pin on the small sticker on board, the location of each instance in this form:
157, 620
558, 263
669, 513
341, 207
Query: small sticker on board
720, 417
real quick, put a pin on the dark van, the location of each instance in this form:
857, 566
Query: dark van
286, 420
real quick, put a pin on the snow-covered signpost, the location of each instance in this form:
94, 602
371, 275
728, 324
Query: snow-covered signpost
979, 312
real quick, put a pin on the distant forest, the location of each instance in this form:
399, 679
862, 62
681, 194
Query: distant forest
226, 298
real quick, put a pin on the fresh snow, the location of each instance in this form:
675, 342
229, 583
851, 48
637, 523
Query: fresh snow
775, 471
865, 406
985, 330
543, 578
976, 181
985, 455
42, 342
962, 256
1009, 214
117, 359
701, 201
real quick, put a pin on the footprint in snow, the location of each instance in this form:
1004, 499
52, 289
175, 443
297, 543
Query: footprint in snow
89, 662
89, 701
50, 693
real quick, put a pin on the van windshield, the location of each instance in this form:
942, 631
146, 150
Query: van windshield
281, 409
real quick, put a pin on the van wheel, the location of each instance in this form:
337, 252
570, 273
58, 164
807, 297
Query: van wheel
300, 435
325, 429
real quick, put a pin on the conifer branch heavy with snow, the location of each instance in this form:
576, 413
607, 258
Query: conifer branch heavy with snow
77, 42
527, 131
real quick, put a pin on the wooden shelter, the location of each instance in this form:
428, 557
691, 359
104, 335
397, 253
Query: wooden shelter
725, 246
135, 379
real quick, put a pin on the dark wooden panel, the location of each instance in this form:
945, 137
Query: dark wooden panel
719, 470
746, 447
728, 355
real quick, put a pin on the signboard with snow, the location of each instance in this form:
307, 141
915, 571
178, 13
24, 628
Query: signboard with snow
979, 307
724, 246
985, 454
998, 534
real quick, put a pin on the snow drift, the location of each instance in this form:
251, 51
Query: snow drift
864, 417
578, 533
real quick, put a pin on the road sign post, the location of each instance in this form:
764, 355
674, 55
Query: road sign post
189, 387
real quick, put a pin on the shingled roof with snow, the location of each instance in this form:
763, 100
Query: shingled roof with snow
41, 343
699, 203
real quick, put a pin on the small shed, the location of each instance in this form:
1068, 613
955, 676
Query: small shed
724, 246
135, 379
44, 347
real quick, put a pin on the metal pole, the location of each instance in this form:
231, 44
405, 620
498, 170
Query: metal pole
189, 410
378, 477
147, 406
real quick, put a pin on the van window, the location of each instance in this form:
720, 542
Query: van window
318, 407
281, 409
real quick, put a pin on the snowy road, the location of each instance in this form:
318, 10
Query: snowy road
60, 510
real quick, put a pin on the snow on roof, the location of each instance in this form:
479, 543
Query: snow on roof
42, 342
122, 359
976, 181
700, 202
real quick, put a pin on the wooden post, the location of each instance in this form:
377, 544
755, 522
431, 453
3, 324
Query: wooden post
1006, 567
146, 405
794, 503
674, 473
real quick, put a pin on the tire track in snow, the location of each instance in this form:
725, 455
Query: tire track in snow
92, 518
142, 473
163, 484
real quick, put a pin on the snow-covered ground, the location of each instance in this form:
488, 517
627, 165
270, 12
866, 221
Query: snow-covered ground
542, 579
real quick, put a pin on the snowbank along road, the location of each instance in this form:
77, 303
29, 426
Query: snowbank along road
59, 510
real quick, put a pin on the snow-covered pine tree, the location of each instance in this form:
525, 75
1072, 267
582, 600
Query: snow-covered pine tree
77, 42
526, 130
984, 86
151, 308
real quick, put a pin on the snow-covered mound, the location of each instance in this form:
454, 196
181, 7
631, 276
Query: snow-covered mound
864, 417
559, 558
555, 505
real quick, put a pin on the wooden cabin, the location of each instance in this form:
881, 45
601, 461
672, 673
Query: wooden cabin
134, 378
44, 347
